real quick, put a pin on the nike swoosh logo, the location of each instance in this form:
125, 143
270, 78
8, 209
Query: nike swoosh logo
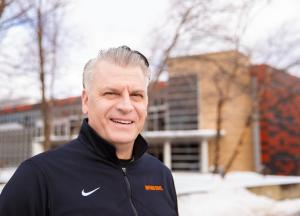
89, 193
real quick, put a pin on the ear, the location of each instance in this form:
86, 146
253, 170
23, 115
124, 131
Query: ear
84, 101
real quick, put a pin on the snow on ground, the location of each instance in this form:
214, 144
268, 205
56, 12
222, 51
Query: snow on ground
5, 174
198, 182
235, 202
210, 195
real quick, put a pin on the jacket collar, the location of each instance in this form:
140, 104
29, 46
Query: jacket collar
106, 150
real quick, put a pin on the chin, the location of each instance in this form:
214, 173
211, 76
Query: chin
122, 136
123, 139
122, 142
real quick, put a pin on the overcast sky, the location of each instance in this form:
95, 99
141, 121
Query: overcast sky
111, 23
104, 24
97, 24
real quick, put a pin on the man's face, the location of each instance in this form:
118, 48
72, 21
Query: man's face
116, 102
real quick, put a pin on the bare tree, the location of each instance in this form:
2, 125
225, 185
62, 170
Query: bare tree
280, 48
47, 29
12, 13
202, 23
43, 30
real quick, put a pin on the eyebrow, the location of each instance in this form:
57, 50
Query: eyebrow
117, 90
138, 91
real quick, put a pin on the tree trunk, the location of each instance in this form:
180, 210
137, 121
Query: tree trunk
218, 136
239, 144
45, 108
2, 6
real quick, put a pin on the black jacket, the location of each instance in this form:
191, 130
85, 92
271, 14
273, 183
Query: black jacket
85, 178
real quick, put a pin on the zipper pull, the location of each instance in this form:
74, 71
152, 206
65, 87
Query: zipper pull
124, 170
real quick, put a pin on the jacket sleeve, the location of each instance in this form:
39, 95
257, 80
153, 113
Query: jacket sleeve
25, 193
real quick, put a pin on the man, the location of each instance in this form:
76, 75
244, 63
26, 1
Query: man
106, 170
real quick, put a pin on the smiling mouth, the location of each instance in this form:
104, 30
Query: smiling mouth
123, 122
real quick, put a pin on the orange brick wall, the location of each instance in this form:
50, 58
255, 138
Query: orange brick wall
279, 120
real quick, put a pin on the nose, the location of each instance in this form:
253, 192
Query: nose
124, 105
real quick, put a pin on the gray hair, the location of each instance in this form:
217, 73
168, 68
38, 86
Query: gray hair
121, 56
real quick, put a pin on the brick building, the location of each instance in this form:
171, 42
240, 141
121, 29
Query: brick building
279, 114
182, 125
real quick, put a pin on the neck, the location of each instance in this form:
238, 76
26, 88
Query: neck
124, 151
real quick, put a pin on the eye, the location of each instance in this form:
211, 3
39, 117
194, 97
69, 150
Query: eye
137, 95
110, 94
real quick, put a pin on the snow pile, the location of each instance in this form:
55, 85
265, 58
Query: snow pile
235, 202
198, 182
210, 195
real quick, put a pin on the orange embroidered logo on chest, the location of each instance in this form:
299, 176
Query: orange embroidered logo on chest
153, 188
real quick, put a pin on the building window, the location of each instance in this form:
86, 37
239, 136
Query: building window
156, 118
185, 157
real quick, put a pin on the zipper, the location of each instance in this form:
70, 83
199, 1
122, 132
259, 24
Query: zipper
124, 170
